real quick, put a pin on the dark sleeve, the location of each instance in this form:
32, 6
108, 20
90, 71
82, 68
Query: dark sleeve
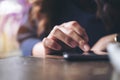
27, 46
27, 38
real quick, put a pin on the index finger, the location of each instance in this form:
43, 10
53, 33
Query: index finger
74, 25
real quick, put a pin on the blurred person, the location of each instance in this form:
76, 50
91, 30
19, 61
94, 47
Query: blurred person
28, 28
62, 25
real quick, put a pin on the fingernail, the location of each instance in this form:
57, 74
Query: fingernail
73, 44
86, 47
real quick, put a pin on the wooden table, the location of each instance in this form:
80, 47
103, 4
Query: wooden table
29, 68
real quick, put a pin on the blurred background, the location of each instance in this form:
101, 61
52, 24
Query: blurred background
11, 14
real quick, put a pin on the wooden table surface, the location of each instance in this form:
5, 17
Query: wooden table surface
29, 68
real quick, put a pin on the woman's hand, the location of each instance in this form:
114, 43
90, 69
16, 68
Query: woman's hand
102, 43
69, 34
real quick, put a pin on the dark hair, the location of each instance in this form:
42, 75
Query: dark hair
109, 12
48, 11
52, 10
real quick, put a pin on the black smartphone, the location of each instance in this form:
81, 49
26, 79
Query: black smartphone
89, 56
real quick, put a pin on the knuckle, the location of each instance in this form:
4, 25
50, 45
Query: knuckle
52, 44
74, 23
71, 32
70, 24
56, 27
49, 43
55, 30
63, 24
